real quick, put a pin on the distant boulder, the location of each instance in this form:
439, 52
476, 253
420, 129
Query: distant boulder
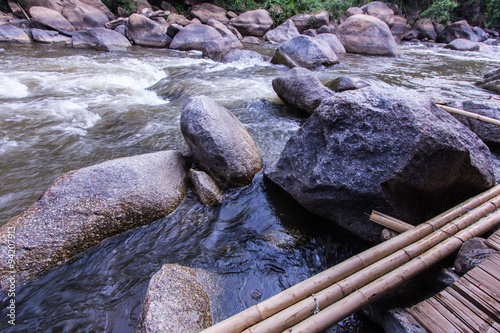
491, 81
51, 4
253, 23
239, 55
302, 21
174, 18
398, 28
461, 44
350, 12
343, 83
192, 37
219, 143
380, 10
282, 33
460, 29
333, 41
49, 36
83, 16
146, 32
305, 51
489, 133
367, 34
52, 19
100, 39
206, 11
425, 29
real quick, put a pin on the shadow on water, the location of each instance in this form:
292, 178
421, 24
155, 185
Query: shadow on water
259, 241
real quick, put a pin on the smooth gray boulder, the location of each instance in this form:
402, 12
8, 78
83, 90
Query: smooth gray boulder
174, 18
102, 7
240, 55
12, 34
471, 254
85, 206
214, 48
100, 39
305, 51
206, 188
460, 29
51, 4
333, 41
461, 44
282, 33
253, 23
481, 34
192, 37
321, 19
49, 36
350, 12
230, 39
51, 18
325, 29
301, 89
491, 81
379, 10
425, 28
219, 143
251, 40
367, 34
388, 149
489, 133
146, 32
83, 16
206, 11
310, 32
398, 28
176, 301
302, 21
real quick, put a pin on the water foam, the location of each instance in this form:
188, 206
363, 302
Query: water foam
12, 88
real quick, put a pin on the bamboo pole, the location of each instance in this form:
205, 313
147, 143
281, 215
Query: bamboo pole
373, 291
390, 222
305, 308
300, 291
470, 115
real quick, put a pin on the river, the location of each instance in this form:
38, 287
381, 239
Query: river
63, 109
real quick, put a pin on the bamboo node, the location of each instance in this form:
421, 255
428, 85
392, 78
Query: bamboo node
494, 204
316, 310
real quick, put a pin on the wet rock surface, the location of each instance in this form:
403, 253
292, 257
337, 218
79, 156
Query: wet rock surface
387, 149
100, 39
471, 254
85, 206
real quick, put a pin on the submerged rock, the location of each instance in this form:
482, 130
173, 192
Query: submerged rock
305, 51
176, 301
461, 44
239, 55
206, 188
85, 206
388, 149
343, 83
301, 89
367, 34
219, 143
100, 39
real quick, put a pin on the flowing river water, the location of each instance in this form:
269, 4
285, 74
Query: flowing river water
63, 109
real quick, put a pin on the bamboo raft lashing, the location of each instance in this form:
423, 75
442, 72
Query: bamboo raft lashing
303, 291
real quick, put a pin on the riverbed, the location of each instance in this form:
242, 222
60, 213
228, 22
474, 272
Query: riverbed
63, 109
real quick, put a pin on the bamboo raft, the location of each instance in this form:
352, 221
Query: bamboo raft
328, 297
472, 304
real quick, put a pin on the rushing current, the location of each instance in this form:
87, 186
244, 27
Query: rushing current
63, 109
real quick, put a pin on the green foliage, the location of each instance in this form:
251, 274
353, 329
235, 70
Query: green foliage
130, 6
441, 10
492, 13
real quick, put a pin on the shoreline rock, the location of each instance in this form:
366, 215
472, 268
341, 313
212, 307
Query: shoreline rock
85, 206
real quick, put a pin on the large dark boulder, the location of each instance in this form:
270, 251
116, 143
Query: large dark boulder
282, 33
380, 10
146, 32
240, 55
83, 207
460, 29
100, 39
51, 4
12, 34
176, 301
219, 143
367, 34
207, 11
253, 23
305, 51
398, 29
51, 18
301, 89
388, 149
302, 21
425, 28
83, 16
192, 37
491, 81
214, 48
